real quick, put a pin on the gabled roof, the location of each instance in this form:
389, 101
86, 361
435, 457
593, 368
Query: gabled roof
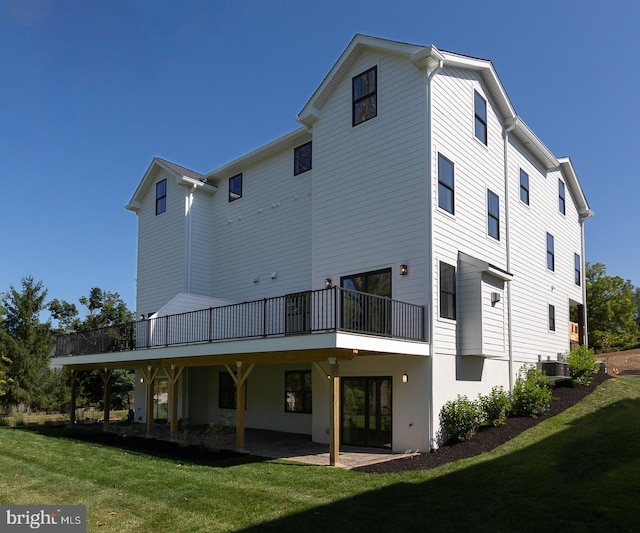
429, 57
183, 176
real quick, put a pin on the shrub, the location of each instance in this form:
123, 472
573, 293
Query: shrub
531, 393
460, 419
495, 407
582, 364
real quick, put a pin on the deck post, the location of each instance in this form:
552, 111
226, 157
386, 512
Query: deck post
150, 376
240, 403
174, 376
74, 394
334, 413
106, 381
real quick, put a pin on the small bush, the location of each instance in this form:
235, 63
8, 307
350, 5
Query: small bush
531, 393
495, 407
582, 364
460, 419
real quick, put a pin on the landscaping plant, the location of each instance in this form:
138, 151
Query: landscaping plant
495, 407
582, 364
460, 419
531, 393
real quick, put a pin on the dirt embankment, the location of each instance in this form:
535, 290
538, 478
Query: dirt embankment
622, 363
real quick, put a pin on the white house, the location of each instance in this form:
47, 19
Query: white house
412, 240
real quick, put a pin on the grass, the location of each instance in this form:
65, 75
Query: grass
578, 471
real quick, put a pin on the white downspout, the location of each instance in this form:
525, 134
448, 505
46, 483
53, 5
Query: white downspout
584, 216
508, 247
188, 200
430, 269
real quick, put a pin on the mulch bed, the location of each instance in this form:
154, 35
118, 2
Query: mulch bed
565, 395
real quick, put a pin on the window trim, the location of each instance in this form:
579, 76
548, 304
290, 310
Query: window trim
371, 94
446, 186
551, 253
493, 216
552, 317
480, 118
444, 294
161, 206
297, 167
306, 409
562, 198
233, 192
526, 189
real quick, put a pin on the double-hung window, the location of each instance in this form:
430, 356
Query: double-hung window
297, 391
524, 186
302, 159
561, 197
161, 197
552, 317
551, 255
365, 96
480, 112
447, 291
577, 262
445, 184
493, 215
235, 187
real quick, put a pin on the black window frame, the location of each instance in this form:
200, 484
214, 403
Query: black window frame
235, 187
480, 118
552, 317
227, 389
551, 253
448, 291
161, 197
369, 95
301, 161
562, 198
304, 391
443, 186
493, 216
524, 187
577, 267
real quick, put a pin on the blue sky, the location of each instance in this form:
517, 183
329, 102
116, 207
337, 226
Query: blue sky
91, 91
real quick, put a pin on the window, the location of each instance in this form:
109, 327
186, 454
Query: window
480, 107
577, 268
447, 291
297, 391
302, 159
445, 184
364, 313
551, 258
561, 199
161, 197
524, 186
493, 215
235, 187
365, 96
227, 396
552, 317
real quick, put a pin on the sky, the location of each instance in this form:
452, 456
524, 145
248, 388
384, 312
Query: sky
92, 90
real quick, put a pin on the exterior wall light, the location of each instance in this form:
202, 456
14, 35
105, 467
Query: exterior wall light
328, 283
404, 270
405, 378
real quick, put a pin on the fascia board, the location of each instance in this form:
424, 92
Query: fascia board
571, 179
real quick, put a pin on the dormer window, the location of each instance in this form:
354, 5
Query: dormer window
161, 197
480, 110
365, 96
302, 159
235, 187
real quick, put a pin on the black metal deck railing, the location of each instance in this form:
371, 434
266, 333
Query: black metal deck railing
326, 310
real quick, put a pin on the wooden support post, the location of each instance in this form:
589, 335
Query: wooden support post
150, 376
174, 376
240, 403
106, 381
334, 413
74, 394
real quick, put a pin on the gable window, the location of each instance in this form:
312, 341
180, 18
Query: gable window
302, 159
227, 394
447, 291
235, 187
445, 184
577, 268
551, 256
552, 317
365, 96
524, 186
480, 111
297, 391
561, 197
161, 197
493, 215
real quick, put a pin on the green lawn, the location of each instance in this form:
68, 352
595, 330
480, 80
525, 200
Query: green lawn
579, 471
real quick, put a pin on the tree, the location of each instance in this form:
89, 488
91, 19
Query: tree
26, 344
638, 306
612, 310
